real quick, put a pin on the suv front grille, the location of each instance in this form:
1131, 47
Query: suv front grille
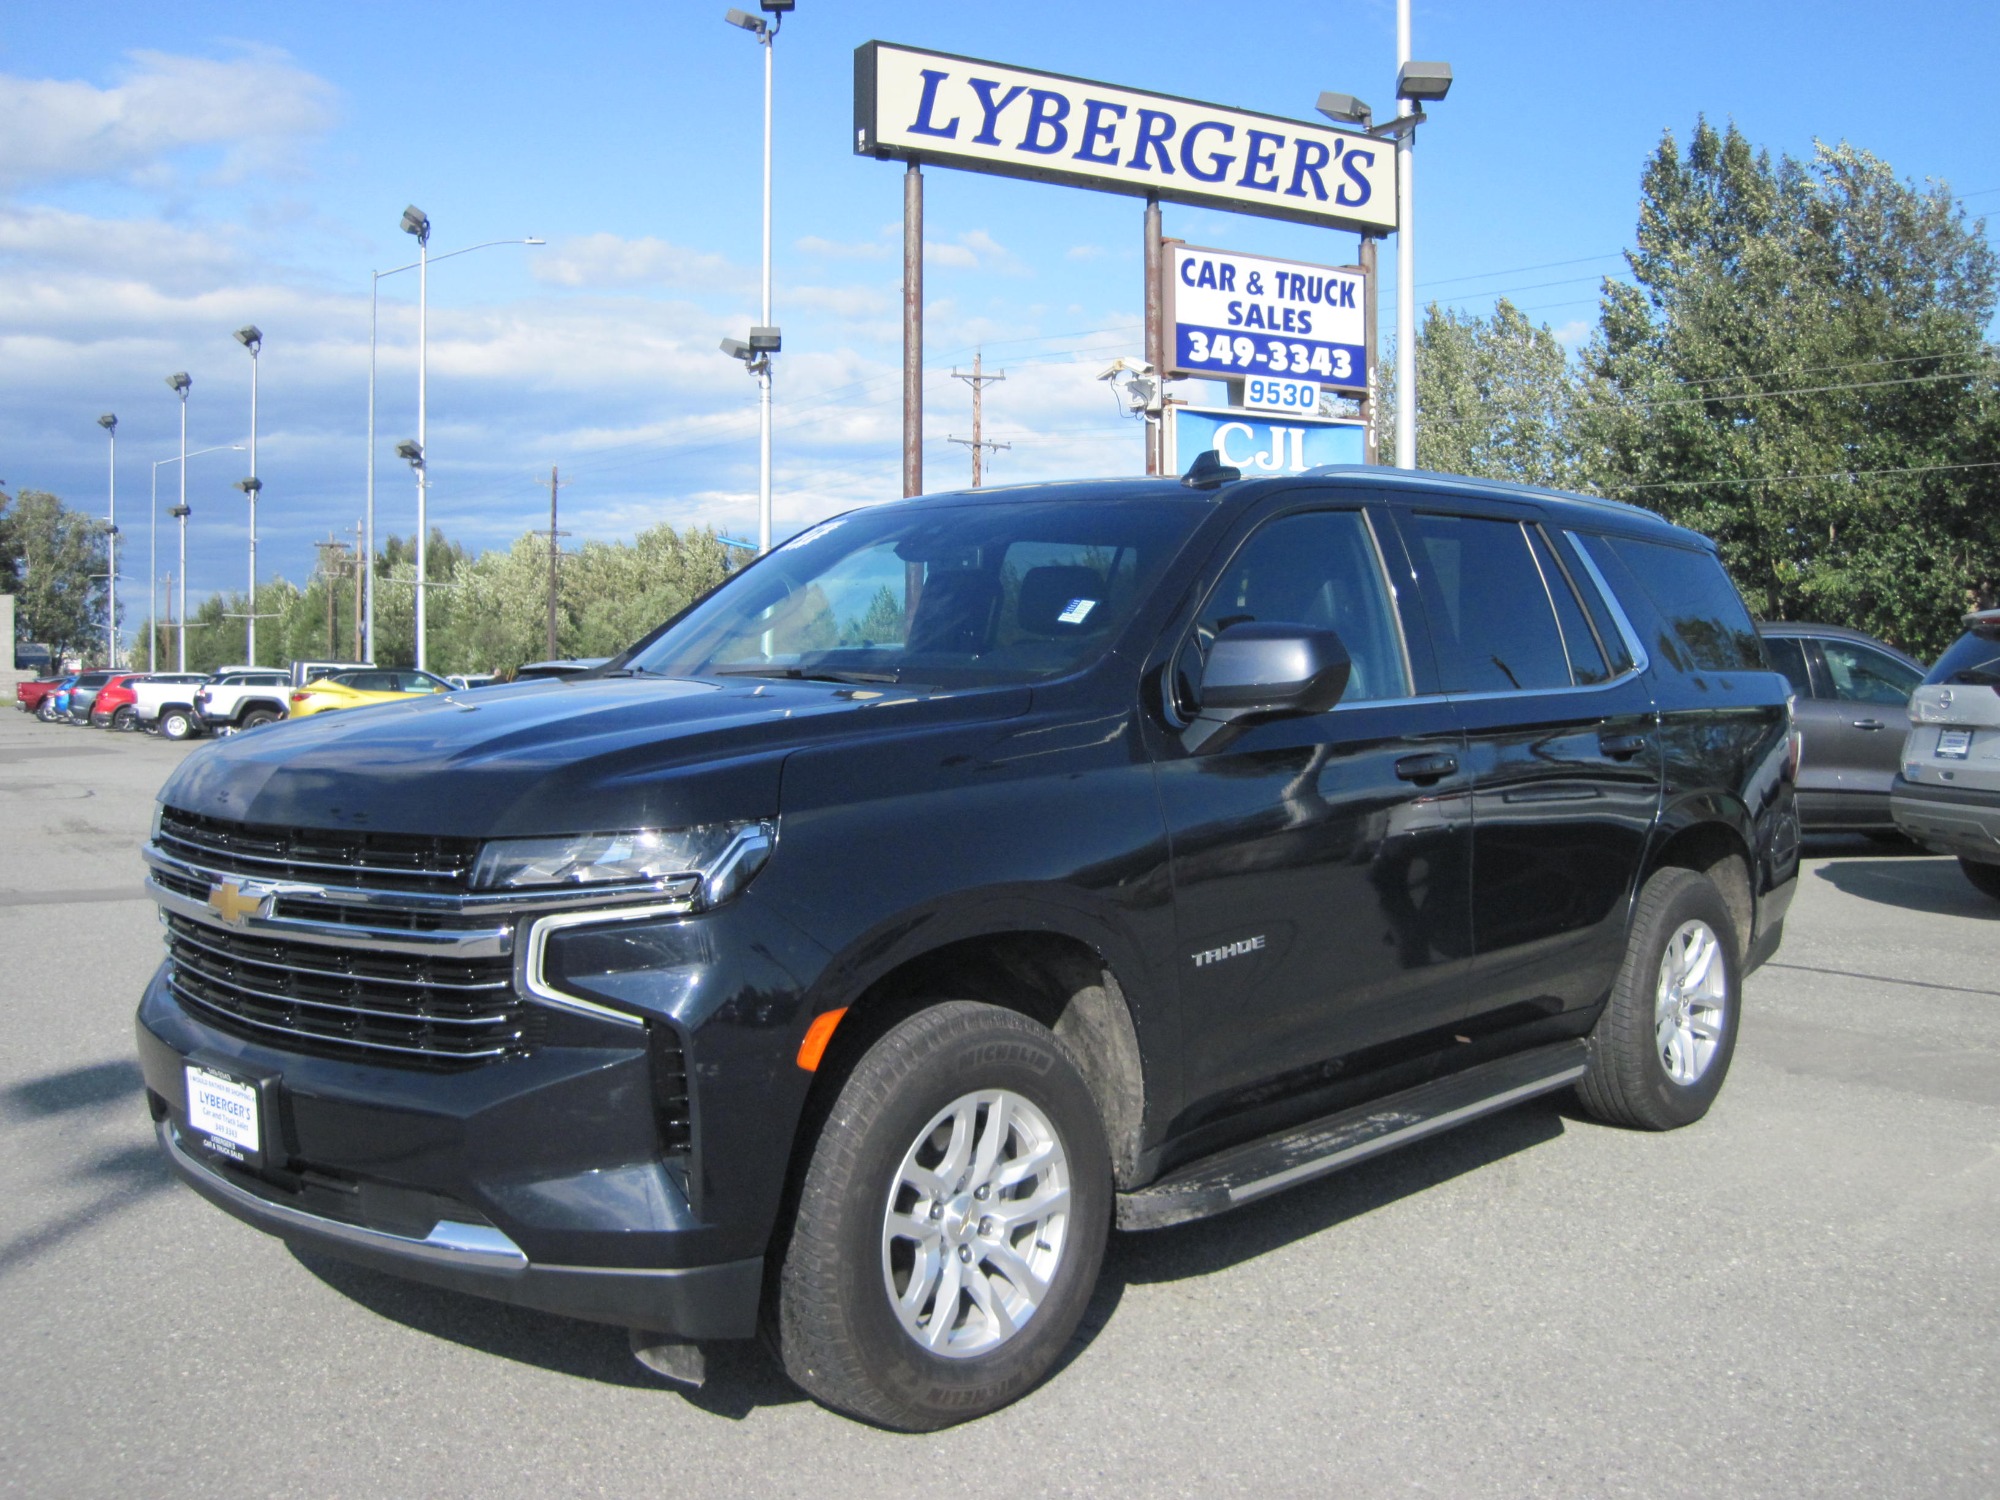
335, 857
350, 1001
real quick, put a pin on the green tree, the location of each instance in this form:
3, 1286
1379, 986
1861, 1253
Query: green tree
1495, 398
1796, 370
58, 563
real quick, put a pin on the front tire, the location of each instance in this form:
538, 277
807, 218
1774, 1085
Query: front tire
176, 724
1661, 1050
951, 1222
1984, 877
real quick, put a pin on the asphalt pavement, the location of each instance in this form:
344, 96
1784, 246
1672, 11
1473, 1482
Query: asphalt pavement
1798, 1296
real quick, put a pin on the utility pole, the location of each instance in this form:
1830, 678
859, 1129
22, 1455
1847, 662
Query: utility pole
360, 573
332, 564
978, 380
555, 552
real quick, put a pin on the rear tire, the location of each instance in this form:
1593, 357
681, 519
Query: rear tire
1984, 877
257, 718
125, 720
1661, 1050
951, 1222
176, 724
46, 711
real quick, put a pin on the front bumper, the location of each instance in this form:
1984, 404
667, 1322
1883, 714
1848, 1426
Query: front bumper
1950, 820
538, 1181
693, 1302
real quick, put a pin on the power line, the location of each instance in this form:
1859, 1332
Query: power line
1696, 484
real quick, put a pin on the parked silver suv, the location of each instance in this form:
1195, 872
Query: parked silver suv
1948, 795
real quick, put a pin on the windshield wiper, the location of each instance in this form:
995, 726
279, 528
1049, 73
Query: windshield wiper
805, 674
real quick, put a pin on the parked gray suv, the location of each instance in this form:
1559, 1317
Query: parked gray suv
1948, 795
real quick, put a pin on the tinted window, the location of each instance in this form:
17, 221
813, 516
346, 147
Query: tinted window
1789, 657
1317, 568
1861, 674
1586, 657
1974, 658
1708, 629
1491, 617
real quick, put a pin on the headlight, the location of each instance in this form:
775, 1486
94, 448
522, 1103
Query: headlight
716, 859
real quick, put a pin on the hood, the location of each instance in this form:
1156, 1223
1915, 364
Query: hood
551, 757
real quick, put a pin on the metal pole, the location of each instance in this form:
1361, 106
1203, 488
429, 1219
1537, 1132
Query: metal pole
250, 623
1155, 336
1406, 266
913, 330
153, 579
553, 534
423, 437
111, 542
1371, 406
764, 373
181, 654
366, 603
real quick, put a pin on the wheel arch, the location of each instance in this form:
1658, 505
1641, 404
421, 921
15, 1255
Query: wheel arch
1710, 843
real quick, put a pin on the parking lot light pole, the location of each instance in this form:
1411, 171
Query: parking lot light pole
1417, 83
109, 422
368, 523
180, 382
417, 223
153, 552
251, 337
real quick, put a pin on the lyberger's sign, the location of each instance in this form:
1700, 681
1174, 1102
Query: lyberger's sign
960, 112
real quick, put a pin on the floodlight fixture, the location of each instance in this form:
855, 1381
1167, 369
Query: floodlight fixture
249, 486
1423, 82
411, 452
765, 341
1346, 109
777, 7
736, 349
251, 337
181, 512
417, 222
747, 21
108, 422
180, 382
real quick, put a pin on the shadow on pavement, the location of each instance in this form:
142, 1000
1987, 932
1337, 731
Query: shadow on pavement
743, 1376
128, 1175
1932, 884
78, 1088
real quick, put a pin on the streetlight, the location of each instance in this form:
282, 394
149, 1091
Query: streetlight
109, 423
180, 382
153, 552
1417, 84
368, 528
251, 337
417, 223
764, 341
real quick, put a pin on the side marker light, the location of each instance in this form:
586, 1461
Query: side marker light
813, 1048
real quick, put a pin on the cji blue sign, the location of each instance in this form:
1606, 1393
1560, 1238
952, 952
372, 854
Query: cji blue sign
1259, 443
1233, 316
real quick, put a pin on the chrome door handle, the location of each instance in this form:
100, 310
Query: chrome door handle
1867, 723
1621, 746
1426, 767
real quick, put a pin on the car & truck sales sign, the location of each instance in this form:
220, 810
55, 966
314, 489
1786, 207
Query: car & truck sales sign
985, 117
1233, 317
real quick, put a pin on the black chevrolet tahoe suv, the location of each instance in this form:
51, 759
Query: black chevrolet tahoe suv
966, 878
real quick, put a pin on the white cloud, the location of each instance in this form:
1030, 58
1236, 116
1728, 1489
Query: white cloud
607, 260
974, 250
255, 106
1085, 252
1572, 335
812, 244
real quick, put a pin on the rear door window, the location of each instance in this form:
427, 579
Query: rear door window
1861, 674
1492, 620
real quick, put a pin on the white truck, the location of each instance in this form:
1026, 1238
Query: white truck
245, 699
165, 703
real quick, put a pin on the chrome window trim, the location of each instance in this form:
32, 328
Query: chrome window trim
534, 952
1640, 660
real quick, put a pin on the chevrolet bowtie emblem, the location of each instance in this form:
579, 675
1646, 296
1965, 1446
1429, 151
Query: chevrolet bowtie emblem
232, 903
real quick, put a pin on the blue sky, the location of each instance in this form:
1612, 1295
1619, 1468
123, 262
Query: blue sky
169, 173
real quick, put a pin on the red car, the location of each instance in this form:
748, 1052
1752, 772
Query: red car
112, 708
28, 696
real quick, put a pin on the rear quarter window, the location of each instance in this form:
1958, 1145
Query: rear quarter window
1973, 659
1704, 626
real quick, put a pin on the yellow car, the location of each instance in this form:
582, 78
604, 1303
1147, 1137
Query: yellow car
358, 689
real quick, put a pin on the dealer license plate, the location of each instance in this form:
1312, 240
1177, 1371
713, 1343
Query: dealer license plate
225, 1111
1954, 744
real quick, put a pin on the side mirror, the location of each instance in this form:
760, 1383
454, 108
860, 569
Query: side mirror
1272, 669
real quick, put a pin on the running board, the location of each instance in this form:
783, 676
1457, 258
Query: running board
1245, 1173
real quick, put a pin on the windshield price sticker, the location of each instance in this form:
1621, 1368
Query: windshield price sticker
1240, 315
1265, 394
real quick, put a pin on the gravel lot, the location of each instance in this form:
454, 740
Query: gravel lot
1799, 1296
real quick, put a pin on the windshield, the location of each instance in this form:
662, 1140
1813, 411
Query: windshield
944, 595
1974, 659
